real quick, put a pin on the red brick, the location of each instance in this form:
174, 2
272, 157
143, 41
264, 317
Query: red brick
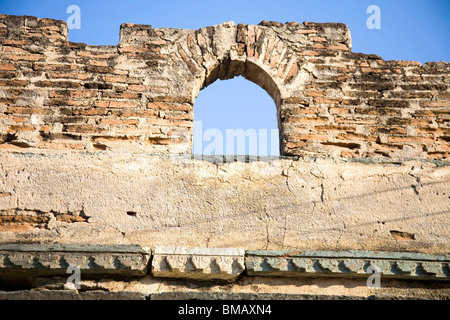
301, 110
438, 103
164, 141
338, 47
82, 128
319, 45
307, 137
293, 145
14, 83
7, 67
395, 139
19, 119
16, 128
180, 123
388, 130
308, 31
61, 146
169, 106
116, 104
321, 100
291, 74
28, 110
117, 79
374, 70
15, 42
179, 116
105, 139
100, 63
89, 54
318, 39
90, 112
309, 53
307, 120
311, 93
338, 110
120, 95
119, 121
24, 57
334, 127
356, 137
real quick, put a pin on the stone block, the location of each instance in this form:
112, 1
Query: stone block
54, 259
198, 263
352, 263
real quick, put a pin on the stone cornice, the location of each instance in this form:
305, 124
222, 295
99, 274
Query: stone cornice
216, 263
401, 265
198, 263
54, 259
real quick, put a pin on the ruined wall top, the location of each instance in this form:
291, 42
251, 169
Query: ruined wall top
139, 96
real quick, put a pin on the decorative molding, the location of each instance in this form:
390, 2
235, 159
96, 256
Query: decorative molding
351, 263
216, 263
91, 259
198, 263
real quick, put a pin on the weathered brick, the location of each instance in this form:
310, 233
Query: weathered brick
97, 55
8, 67
307, 120
116, 104
101, 63
307, 137
388, 103
338, 47
338, 110
349, 104
27, 110
82, 128
24, 57
311, 93
436, 104
169, 106
389, 130
356, 137
119, 121
334, 127
399, 139
14, 83
326, 100
20, 127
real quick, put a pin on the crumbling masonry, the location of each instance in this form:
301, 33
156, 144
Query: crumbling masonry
96, 168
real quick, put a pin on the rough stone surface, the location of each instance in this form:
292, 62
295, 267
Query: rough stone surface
244, 296
320, 204
70, 295
266, 287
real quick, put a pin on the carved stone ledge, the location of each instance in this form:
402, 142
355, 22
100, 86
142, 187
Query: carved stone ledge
402, 265
198, 263
54, 259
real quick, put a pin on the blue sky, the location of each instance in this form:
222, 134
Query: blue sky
410, 30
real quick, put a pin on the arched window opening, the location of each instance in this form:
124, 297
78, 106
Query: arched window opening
235, 117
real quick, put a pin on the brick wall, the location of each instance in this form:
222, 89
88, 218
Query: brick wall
139, 96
